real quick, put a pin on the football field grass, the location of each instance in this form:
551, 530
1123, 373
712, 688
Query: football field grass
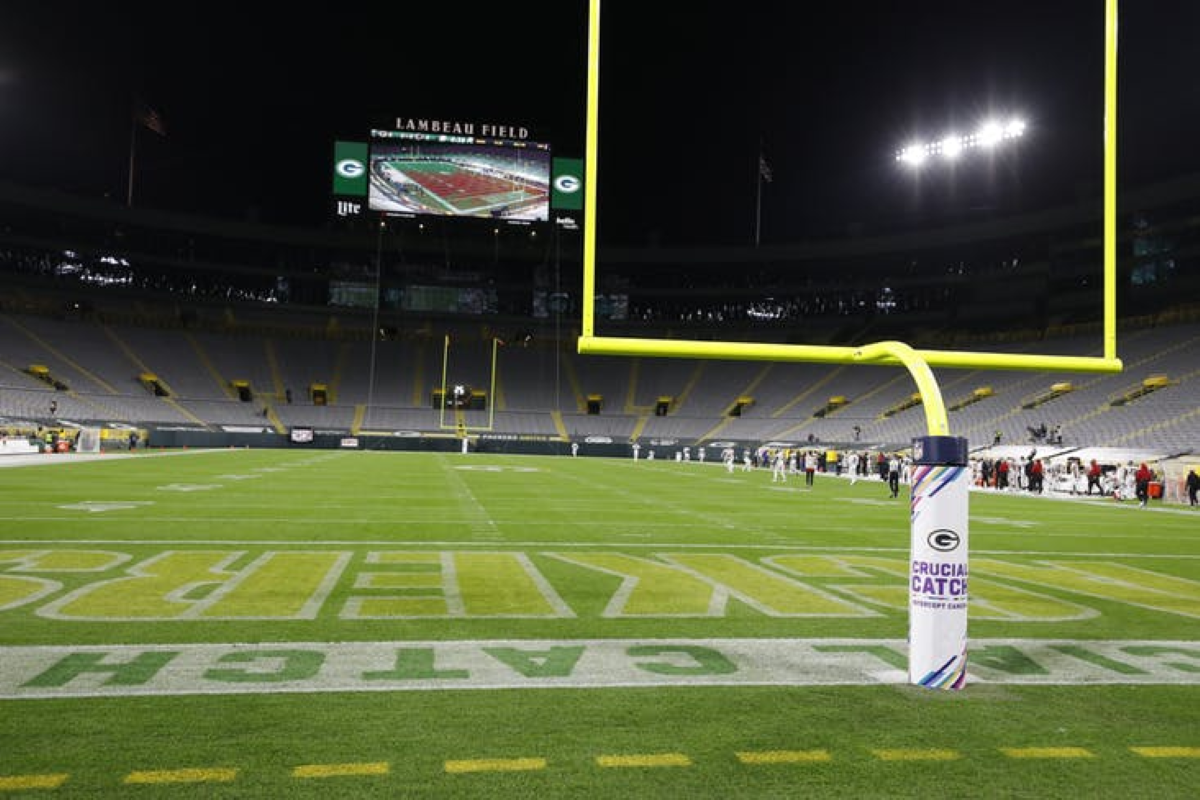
306, 623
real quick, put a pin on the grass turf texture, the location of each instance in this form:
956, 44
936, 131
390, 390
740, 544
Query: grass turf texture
254, 501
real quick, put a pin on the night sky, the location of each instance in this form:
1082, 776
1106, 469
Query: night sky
253, 96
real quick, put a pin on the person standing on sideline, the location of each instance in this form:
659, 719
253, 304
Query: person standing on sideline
1142, 479
810, 467
637, 448
1093, 477
1002, 474
779, 468
574, 449
1125, 473
894, 475
1193, 486
852, 467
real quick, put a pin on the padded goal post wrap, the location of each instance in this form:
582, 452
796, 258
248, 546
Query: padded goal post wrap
938, 570
88, 441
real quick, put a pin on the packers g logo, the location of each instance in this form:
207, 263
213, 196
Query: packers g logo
943, 540
568, 184
349, 168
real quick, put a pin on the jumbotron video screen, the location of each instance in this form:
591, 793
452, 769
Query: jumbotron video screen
416, 173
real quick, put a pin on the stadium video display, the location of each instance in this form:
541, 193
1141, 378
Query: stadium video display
461, 176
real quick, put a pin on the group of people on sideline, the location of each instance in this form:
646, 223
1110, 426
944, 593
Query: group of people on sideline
1029, 473
1120, 481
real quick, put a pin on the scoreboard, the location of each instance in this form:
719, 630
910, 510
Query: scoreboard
409, 173
458, 176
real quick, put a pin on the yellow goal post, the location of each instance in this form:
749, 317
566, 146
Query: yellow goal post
918, 362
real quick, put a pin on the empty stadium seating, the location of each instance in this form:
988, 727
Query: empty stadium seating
541, 386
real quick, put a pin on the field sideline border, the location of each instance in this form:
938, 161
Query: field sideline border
49, 459
546, 545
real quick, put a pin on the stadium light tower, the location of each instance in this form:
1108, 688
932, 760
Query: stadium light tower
988, 135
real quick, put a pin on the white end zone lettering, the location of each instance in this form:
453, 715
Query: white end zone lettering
181, 669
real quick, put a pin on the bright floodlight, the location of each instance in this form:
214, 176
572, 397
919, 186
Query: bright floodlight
987, 135
990, 133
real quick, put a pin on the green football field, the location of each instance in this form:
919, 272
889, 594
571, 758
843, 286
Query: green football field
305, 623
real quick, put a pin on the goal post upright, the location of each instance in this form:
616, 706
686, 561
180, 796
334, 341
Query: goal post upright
491, 396
591, 153
1110, 179
445, 365
938, 594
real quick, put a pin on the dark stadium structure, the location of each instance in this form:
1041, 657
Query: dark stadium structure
205, 332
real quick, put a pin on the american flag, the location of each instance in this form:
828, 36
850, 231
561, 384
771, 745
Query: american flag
764, 169
150, 118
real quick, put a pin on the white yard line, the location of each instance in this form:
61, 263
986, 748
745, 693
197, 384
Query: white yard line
551, 545
58, 459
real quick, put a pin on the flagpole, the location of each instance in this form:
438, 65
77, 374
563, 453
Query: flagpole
758, 201
763, 172
133, 123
